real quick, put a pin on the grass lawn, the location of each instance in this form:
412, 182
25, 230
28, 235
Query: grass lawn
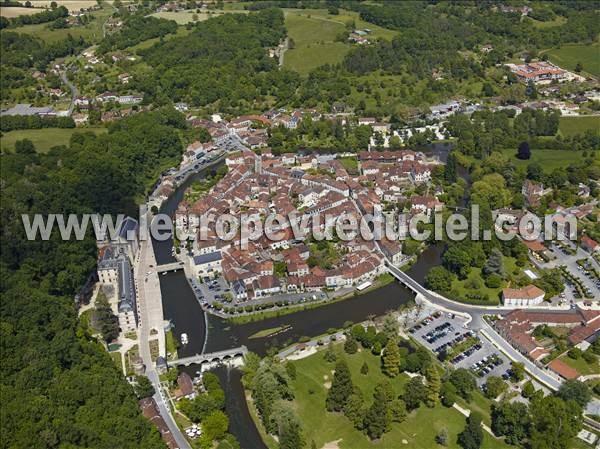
43, 139
549, 159
569, 55
91, 32
117, 358
171, 344
581, 365
419, 429
569, 126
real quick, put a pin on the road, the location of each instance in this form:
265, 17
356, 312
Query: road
146, 258
71, 86
543, 375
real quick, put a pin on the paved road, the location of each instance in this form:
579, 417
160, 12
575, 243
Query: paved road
71, 86
146, 259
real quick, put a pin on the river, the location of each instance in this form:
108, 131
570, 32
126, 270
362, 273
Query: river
181, 307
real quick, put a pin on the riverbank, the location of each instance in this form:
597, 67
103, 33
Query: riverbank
380, 282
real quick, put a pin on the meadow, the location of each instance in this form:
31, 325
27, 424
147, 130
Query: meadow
570, 126
568, 56
314, 33
43, 139
549, 159
91, 32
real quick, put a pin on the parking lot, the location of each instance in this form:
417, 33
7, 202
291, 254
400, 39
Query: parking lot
449, 339
585, 275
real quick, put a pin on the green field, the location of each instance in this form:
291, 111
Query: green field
43, 139
314, 32
90, 32
569, 55
570, 126
419, 429
549, 159
181, 31
559, 20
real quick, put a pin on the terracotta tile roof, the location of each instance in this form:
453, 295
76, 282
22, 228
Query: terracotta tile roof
562, 369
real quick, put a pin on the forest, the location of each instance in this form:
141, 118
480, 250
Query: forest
59, 386
135, 30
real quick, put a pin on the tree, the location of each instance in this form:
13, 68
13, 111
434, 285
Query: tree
528, 390
376, 349
442, 437
575, 390
523, 153
287, 425
290, 369
494, 264
390, 326
464, 382
397, 410
494, 387
448, 394
511, 420
376, 419
517, 371
439, 279
105, 320
330, 354
341, 387
554, 422
364, 369
450, 170
143, 387
350, 346
472, 436
391, 359
215, 425
433, 388
355, 409
414, 393
578, 67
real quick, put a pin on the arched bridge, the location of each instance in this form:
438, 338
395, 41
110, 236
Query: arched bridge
212, 357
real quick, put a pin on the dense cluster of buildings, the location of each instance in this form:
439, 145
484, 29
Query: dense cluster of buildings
299, 185
518, 326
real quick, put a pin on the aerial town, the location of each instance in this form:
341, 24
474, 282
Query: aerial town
300, 224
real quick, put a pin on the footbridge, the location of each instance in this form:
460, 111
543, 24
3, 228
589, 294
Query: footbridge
212, 357
173, 266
